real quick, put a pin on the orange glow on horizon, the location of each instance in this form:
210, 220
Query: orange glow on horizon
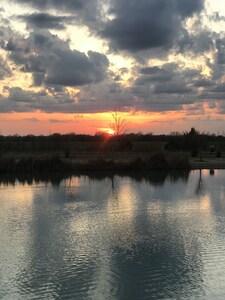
38, 122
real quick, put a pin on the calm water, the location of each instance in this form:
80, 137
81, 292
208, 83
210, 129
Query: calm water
150, 237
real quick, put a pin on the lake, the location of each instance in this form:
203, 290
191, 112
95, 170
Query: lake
144, 236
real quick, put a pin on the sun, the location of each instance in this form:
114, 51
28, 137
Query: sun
108, 131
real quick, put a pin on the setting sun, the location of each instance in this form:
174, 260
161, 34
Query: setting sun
109, 131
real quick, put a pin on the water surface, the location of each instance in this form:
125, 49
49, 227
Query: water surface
155, 236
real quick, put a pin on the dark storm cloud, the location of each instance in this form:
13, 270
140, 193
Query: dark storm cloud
45, 21
198, 43
19, 100
219, 88
16, 94
153, 74
172, 88
51, 61
166, 79
188, 7
203, 83
220, 53
150, 70
61, 5
73, 68
145, 24
10, 45
91, 100
217, 63
86, 11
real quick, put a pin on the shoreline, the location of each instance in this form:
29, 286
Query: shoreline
217, 164
156, 162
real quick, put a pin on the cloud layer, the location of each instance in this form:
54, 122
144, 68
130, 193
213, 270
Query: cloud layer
156, 55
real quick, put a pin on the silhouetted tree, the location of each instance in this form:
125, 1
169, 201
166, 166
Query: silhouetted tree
118, 122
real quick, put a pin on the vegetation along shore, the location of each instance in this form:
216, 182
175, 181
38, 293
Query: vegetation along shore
125, 152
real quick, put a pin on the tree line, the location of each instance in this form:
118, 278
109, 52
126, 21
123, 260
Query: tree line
192, 140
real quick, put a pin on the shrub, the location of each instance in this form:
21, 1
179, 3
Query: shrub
218, 154
194, 153
7, 164
178, 161
157, 161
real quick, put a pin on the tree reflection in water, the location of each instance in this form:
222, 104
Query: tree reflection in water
200, 187
156, 178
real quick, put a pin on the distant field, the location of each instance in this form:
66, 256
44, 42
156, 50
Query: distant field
84, 151
53, 146
148, 146
134, 151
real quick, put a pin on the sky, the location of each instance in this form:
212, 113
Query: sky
65, 66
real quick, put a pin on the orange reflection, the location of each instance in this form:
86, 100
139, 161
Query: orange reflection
121, 216
205, 204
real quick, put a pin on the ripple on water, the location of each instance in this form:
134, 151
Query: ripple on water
126, 245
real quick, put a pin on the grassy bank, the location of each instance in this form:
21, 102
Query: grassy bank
32, 164
208, 163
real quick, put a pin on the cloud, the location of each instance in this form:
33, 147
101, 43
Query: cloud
216, 17
58, 121
199, 42
20, 100
217, 63
145, 24
33, 120
220, 53
87, 11
52, 62
60, 5
143, 29
93, 98
172, 88
5, 70
153, 74
203, 83
219, 88
45, 21
73, 68
166, 79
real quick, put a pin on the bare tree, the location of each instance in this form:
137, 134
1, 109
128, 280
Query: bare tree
118, 123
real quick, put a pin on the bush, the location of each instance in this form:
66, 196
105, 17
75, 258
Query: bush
7, 164
157, 161
178, 161
66, 153
218, 154
194, 153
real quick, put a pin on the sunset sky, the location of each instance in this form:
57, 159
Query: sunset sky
65, 66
